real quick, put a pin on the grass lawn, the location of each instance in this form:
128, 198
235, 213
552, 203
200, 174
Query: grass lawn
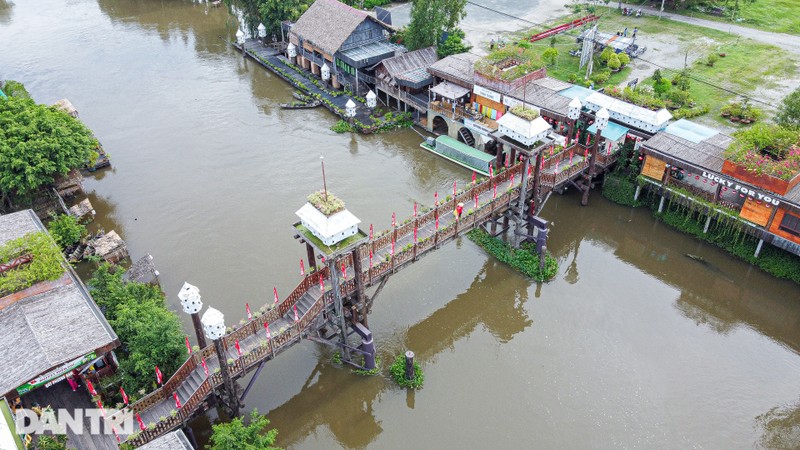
747, 66
781, 16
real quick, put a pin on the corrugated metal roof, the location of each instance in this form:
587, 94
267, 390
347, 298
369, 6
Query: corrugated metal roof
411, 66
459, 67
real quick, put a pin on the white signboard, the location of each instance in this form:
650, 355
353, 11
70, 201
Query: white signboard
483, 92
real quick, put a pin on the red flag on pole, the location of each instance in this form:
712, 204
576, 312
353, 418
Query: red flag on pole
476, 202
247, 308
188, 347
321, 282
238, 349
302, 268
491, 171
296, 317
370, 259
608, 151
541, 167
415, 233
119, 441
177, 400
266, 327
370, 232
90, 386
454, 188
437, 223
392, 247
102, 410
159, 377
512, 178
322, 258
203, 363
124, 395
571, 154
508, 160
141, 423
588, 139
473, 177
394, 220
275, 294
494, 192
344, 271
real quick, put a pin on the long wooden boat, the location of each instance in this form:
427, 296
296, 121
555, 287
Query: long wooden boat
298, 105
459, 153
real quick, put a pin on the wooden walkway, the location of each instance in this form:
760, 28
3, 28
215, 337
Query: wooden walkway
391, 251
302, 80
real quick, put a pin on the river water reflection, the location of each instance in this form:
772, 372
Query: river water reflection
632, 345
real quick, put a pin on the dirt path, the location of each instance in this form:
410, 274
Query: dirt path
785, 41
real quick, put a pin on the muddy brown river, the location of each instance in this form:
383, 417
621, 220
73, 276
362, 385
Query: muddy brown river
633, 345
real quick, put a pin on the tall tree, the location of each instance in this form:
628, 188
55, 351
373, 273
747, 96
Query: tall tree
38, 142
269, 12
235, 435
430, 19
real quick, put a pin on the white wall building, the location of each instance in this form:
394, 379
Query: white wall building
330, 230
524, 131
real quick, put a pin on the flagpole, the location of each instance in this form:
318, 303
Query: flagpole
324, 183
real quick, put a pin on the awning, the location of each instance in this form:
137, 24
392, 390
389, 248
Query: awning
450, 90
613, 131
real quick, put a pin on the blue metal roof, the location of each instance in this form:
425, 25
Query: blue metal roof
576, 91
3, 94
613, 131
692, 132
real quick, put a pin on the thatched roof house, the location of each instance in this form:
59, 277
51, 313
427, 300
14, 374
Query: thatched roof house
48, 328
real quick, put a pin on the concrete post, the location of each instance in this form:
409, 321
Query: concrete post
661, 205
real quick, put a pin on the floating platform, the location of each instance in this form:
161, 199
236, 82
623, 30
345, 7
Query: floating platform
459, 153
301, 105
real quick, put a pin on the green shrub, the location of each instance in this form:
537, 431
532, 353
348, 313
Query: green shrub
46, 263
524, 259
620, 190
342, 127
525, 113
65, 230
327, 204
624, 59
398, 371
614, 62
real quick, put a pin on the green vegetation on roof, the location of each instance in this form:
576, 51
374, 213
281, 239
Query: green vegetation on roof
327, 204
328, 250
45, 265
509, 63
525, 113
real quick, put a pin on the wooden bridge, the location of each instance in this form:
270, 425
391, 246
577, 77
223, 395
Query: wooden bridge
330, 300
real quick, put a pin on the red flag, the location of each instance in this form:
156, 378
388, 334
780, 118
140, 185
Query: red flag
394, 220
541, 167
188, 347
141, 423
119, 441
436, 198
247, 308
588, 139
370, 232
238, 349
370, 259
124, 395
530, 167
321, 282
512, 178
415, 209
473, 177
608, 151
266, 327
437, 223
476, 201
571, 154
205, 367
322, 259
491, 171
177, 400
494, 193
454, 188
302, 268
159, 377
275, 294
344, 271
90, 386
415, 233
102, 410
508, 158
296, 317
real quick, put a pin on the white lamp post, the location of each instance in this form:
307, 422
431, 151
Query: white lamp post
372, 99
350, 109
573, 112
189, 296
325, 72
214, 327
262, 31
601, 122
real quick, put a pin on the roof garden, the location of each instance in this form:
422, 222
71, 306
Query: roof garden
509, 63
28, 260
766, 149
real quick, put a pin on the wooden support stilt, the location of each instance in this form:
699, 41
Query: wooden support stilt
312, 259
410, 373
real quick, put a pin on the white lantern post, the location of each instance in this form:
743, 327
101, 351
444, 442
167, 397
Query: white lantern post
191, 302
325, 72
350, 110
573, 112
262, 31
291, 51
214, 327
601, 122
372, 99
240, 39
